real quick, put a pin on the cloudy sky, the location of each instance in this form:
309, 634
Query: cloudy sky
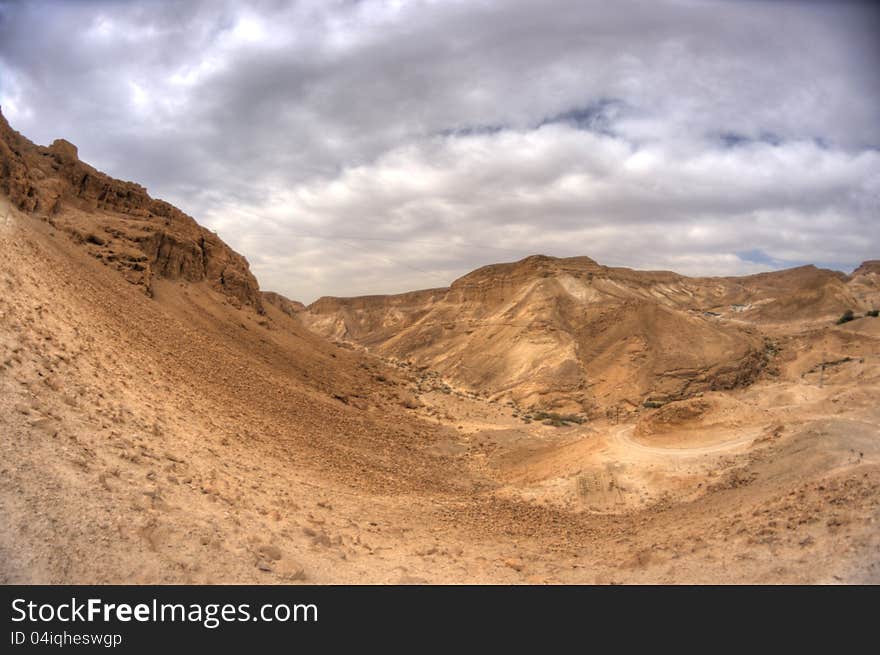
353, 147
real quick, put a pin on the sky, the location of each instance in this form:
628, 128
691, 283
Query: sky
355, 147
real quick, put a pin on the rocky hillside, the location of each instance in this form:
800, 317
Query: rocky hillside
286, 305
118, 222
571, 332
865, 284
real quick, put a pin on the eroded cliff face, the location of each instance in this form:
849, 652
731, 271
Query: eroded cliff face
117, 221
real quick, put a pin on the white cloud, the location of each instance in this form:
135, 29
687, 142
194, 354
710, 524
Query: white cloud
652, 134
566, 191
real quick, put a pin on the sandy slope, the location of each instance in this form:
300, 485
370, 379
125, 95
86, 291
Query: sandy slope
179, 440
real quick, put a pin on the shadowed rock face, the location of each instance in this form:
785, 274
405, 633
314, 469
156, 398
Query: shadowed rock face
117, 221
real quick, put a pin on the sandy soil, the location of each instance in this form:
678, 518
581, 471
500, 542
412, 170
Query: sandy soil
180, 439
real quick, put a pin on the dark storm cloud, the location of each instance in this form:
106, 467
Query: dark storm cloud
353, 147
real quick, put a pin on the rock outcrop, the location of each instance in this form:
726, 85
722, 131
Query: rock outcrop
872, 266
286, 305
865, 286
117, 221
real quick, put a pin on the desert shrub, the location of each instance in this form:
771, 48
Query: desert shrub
846, 317
652, 404
771, 347
557, 420
874, 313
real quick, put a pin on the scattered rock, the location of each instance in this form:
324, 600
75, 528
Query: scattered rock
514, 563
270, 551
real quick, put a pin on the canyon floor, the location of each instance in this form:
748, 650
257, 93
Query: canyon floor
181, 439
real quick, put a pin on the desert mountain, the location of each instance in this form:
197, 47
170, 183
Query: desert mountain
572, 333
163, 420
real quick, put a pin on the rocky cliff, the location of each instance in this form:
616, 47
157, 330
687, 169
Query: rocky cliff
117, 221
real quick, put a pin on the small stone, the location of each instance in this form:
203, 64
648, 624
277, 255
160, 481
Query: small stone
292, 572
515, 564
270, 551
42, 424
